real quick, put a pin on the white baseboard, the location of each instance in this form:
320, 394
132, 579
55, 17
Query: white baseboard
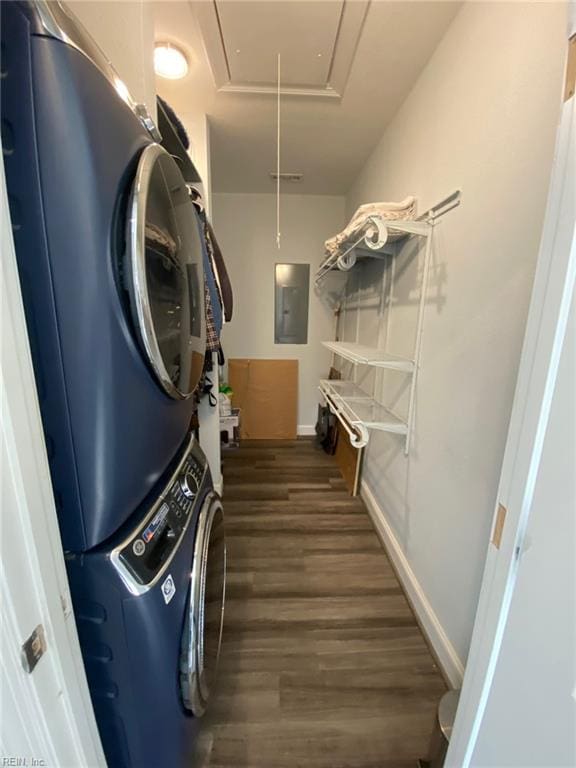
306, 430
446, 655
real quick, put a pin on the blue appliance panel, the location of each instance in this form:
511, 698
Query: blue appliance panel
132, 643
71, 148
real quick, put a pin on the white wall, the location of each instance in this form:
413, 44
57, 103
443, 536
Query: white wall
530, 717
482, 118
246, 229
125, 32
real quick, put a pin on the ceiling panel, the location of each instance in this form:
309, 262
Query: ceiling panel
303, 33
328, 139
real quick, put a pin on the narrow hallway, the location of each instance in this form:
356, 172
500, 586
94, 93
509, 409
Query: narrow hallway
323, 663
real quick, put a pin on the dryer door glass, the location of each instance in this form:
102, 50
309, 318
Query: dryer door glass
203, 628
166, 271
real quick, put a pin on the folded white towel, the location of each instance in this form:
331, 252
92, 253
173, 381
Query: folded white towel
406, 209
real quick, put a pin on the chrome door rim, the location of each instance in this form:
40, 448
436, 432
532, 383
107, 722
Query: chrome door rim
137, 241
195, 691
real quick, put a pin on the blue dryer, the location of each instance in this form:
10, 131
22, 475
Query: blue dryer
110, 257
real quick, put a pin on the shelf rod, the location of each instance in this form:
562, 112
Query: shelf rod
373, 226
408, 227
438, 210
357, 440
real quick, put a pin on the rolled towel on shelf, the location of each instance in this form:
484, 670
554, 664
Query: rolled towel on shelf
406, 209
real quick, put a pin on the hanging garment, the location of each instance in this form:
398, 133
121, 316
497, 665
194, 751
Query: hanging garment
176, 123
222, 272
210, 251
218, 265
212, 332
205, 389
406, 209
213, 305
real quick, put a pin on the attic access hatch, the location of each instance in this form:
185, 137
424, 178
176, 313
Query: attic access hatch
243, 56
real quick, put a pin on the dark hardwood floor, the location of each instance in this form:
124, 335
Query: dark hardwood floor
323, 664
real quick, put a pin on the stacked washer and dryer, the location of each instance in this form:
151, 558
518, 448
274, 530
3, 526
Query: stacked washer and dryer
110, 255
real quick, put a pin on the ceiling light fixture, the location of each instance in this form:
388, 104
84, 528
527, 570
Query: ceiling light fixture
169, 61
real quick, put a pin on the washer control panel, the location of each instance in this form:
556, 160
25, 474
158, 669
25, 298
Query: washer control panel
142, 556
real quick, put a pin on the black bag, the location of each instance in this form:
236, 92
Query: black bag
326, 429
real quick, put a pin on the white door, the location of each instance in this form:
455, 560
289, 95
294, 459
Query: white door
517, 705
46, 716
530, 717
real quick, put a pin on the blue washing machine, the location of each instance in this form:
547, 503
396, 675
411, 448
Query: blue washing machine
149, 607
109, 252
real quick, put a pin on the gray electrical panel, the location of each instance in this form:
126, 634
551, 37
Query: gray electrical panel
291, 288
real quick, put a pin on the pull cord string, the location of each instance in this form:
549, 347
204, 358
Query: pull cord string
278, 162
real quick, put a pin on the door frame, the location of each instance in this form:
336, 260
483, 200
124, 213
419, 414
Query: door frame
47, 713
545, 331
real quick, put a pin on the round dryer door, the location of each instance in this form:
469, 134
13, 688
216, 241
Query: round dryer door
203, 626
166, 274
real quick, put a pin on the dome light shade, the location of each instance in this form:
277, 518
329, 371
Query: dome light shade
169, 61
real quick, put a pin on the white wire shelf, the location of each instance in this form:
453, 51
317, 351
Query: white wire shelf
362, 355
358, 412
380, 238
377, 238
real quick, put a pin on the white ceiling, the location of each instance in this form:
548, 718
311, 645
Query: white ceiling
254, 33
368, 69
315, 39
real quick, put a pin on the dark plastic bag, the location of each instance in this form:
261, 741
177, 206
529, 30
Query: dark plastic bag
326, 429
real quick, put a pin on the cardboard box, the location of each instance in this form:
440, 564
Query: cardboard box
266, 391
349, 460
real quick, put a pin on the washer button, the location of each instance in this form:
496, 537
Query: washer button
138, 547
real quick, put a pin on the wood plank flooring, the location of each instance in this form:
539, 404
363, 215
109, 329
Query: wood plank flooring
323, 664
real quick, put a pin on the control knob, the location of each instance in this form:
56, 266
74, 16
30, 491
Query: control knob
189, 485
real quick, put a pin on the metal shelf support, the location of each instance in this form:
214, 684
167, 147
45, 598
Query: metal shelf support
418, 345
